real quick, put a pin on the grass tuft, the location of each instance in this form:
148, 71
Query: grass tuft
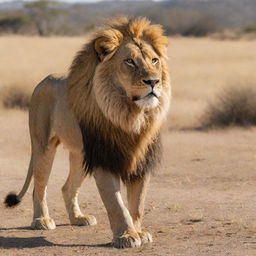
234, 106
15, 98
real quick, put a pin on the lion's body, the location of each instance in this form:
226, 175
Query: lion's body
108, 114
50, 116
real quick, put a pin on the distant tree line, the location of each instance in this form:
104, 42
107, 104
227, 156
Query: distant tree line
179, 17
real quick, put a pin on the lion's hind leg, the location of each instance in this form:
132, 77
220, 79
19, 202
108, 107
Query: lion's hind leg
41, 161
70, 192
136, 193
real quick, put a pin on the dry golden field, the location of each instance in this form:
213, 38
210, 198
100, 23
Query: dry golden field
199, 67
201, 202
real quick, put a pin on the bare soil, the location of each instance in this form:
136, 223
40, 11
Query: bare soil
201, 201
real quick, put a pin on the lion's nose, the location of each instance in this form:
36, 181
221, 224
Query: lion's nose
150, 82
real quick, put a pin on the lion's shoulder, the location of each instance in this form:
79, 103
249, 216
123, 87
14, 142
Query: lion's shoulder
51, 85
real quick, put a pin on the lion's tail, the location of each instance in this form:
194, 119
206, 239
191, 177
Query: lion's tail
12, 199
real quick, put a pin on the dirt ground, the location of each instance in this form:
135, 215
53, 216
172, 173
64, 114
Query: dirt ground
201, 202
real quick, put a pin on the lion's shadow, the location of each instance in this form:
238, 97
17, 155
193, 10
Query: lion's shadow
34, 242
27, 227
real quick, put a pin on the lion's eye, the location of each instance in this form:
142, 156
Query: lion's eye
155, 60
130, 62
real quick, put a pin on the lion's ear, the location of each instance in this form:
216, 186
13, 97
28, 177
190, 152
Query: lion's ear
107, 42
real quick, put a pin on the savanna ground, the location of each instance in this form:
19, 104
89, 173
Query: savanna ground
202, 200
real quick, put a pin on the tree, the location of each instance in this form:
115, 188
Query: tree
42, 12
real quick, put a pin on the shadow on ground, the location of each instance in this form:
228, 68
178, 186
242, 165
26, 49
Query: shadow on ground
34, 242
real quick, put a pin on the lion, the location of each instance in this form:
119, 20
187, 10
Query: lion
108, 112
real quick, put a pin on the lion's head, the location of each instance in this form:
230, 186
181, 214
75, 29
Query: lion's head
124, 70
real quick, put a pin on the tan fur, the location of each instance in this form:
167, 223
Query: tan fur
106, 91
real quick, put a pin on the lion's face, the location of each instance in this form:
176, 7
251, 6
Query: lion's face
138, 73
135, 71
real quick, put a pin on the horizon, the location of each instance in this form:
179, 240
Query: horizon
77, 1
70, 1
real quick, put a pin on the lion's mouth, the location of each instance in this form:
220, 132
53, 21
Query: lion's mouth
152, 94
149, 95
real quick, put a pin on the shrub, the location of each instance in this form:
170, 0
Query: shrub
201, 27
235, 106
250, 29
14, 23
15, 97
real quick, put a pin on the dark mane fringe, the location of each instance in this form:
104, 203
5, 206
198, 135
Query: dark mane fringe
151, 160
101, 151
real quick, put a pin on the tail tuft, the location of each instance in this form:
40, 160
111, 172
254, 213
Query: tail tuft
11, 200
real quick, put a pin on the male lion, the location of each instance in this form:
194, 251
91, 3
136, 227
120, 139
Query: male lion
108, 112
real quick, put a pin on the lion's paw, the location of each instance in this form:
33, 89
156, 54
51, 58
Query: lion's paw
88, 220
43, 223
127, 241
145, 237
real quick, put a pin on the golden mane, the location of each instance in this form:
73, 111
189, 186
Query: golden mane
107, 38
130, 138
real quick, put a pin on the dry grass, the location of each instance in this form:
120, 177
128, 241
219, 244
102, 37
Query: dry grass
235, 106
27, 60
200, 68
237, 34
15, 97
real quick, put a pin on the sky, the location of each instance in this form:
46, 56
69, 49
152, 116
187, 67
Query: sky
57, 0
71, 1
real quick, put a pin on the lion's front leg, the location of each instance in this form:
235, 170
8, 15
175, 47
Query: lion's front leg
136, 193
124, 232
